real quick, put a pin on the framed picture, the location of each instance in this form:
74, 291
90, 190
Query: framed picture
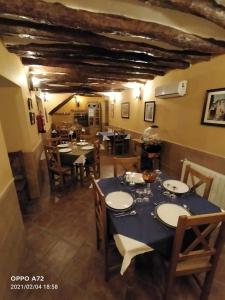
29, 103
125, 110
32, 118
149, 112
214, 108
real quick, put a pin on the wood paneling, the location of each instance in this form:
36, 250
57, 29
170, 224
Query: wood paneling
172, 155
12, 238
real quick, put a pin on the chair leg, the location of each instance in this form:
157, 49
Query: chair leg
61, 180
207, 285
169, 286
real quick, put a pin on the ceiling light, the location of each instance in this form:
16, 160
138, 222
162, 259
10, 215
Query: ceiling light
35, 81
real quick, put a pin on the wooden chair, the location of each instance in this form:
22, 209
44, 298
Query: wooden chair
54, 141
201, 255
16, 160
94, 165
198, 179
64, 134
55, 167
119, 143
126, 164
102, 233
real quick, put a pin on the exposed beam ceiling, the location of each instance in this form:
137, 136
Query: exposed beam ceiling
88, 51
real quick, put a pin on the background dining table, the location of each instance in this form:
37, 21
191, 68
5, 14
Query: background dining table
143, 232
77, 154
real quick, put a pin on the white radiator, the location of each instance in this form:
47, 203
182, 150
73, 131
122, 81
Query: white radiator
217, 193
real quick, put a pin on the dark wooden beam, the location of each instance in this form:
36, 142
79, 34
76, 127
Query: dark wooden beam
60, 15
55, 109
43, 71
83, 52
207, 9
90, 70
28, 30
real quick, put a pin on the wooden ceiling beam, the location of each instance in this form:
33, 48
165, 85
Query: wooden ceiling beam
84, 52
60, 15
81, 71
31, 31
207, 9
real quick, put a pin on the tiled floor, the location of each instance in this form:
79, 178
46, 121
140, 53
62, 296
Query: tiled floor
60, 245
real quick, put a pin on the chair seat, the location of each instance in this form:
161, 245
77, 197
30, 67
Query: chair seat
193, 266
60, 170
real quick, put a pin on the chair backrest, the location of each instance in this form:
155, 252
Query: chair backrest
118, 136
53, 158
126, 164
97, 150
87, 137
54, 141
100, 215
202, 252
197, 179
17, 164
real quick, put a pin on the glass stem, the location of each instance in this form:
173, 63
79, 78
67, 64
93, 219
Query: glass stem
148, 185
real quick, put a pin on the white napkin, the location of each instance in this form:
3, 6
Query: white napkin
54, 131
105, 138
102, 147
127, 137
71, 132
80, 160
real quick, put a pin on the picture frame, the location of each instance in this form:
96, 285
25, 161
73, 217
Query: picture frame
125, 110
29, 103
32, 118
149, 111
213, 113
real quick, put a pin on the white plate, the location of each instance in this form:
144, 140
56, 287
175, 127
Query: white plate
82, 143
65, 150
63, 145
119, 200
176, 186
169, 213
87, 148
137, 177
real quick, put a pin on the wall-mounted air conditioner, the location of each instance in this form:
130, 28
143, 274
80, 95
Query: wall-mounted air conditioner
177, 89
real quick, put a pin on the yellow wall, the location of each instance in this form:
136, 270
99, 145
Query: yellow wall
71, 106
6, 173
179, 118
13, 70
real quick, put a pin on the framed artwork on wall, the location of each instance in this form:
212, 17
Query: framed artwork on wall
149, 112
125, 110
214, 108
32, 118
29, 103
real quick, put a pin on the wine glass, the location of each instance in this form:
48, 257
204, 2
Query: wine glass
149, 177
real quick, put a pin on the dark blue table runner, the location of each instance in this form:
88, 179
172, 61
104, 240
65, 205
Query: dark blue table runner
143, 227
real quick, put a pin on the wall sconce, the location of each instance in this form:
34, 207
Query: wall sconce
113, 96
137, 93
77, 101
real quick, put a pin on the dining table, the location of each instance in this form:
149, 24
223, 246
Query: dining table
143, 231
109, 136
78, 153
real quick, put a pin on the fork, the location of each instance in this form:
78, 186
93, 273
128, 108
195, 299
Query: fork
123, 214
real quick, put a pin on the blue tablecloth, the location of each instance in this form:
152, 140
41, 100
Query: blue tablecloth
143, 227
